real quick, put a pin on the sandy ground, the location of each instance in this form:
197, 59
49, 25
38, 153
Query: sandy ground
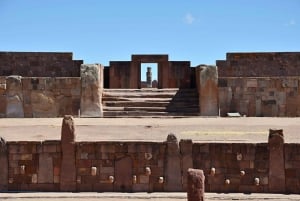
244, 129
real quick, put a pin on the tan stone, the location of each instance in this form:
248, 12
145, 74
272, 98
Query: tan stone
91, 90
14, 97
43, 104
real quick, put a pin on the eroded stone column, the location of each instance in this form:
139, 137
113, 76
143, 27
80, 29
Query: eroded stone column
68, 169
276, 161
173, 165
196, 181
186, 150
3, 165
14, 97
91, 90
207, 83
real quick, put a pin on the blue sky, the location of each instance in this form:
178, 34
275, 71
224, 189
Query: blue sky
200, 31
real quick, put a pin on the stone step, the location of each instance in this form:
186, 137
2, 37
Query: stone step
150, 102
137, 109
135, 114
136, 103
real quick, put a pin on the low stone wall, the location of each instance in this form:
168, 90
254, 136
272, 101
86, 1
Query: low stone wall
260, 96
67, 165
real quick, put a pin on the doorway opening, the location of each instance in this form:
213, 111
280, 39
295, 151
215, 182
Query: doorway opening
149, 75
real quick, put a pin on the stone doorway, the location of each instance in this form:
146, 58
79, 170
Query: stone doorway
149, 75
123, 175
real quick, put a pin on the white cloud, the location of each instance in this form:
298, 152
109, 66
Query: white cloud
189, 18
292, 22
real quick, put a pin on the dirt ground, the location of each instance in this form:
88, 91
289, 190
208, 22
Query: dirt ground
244, 129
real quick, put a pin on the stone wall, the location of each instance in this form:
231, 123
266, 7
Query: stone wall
267, 64
260, 96
123, 166
39, 96
39, 64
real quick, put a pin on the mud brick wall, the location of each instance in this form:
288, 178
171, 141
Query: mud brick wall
120, 167
261, 96
2, 96
34, 166
260, 64
39, 64
225, 161
50, 97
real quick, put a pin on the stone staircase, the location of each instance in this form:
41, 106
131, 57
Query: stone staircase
150, 102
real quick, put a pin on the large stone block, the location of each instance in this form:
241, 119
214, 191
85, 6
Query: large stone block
276, 162
45, 171
91, 90
207, 83
172, 165
14, 97
196, 181
4, 166
68, 168
43, 104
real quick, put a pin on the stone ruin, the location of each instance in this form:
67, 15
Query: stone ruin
42, 84
138, 166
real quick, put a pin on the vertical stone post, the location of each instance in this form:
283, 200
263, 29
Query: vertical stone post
91, 90
186, 150
149, 77
172, 170
68, 169
196, 181
4, 166
276, 161
14, 97
207, 84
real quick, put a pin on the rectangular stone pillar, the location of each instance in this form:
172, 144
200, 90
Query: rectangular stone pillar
14, 97
186, 150
207, 84
276, 160
172, 165
4, 166
196, 180
68, 165
91, 90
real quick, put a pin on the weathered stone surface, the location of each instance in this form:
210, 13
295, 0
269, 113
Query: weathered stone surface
172, 165
45, 171
207, 83
196, 181
4, 165
123, 175
276, 160
186, 150
43, 104
14, 97
91, 90
68, 168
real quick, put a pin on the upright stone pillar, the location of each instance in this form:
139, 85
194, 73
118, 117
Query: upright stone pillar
173, 165
186, 150
149, 77
14, 97
91, 90
276, 162
4, 165
207, 84
68, 169
196, 181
